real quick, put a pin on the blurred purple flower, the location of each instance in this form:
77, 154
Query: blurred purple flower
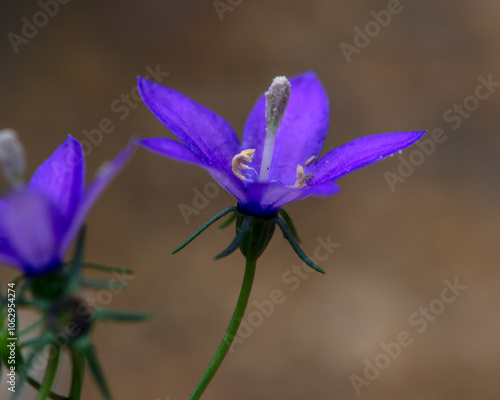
39, 221
296, 171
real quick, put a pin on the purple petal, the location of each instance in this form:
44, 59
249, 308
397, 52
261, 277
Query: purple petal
7, 254
265, 199
177, 151
301, 134
61, 177
34, 227
202, 131
102, 180
171, 149
359, 153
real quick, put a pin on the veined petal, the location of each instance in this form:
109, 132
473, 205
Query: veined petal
62, 177
102, 180
265, 199
359, 153
34, 227
171, 149
301, 134
202, 131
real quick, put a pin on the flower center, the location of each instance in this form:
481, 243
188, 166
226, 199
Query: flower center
277, 98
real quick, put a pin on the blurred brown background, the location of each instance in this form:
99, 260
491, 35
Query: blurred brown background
396, 247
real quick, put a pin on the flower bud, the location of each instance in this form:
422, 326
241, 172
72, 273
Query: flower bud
12, 159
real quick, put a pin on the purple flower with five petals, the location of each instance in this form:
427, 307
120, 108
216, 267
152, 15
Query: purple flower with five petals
296, 169
39, 221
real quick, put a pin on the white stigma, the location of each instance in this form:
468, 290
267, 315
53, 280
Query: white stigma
12, 159
277, 98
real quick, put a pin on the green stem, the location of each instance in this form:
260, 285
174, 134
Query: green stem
78, 369
50, 373
231, 331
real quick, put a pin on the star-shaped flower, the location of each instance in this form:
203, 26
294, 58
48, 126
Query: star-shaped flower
39, 221
268, 169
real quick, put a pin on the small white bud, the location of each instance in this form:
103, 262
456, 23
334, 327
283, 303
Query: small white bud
12, 159
277, 98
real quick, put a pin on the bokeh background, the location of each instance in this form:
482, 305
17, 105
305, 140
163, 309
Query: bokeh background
397, 247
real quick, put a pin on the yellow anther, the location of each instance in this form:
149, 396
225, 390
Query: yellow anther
301, 177
239, 161
310, 160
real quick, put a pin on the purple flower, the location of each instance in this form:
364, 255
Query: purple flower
296, 169
39, 221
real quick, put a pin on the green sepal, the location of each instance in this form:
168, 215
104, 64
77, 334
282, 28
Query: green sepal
78, 254
228, 221
295, 246
50, 286
51, 395
30, 328
106, 268
121, 316
50, 372
4, 350
99, 284
215, 218
85, 345
257, 235
288, 220
241, 232
22, 367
